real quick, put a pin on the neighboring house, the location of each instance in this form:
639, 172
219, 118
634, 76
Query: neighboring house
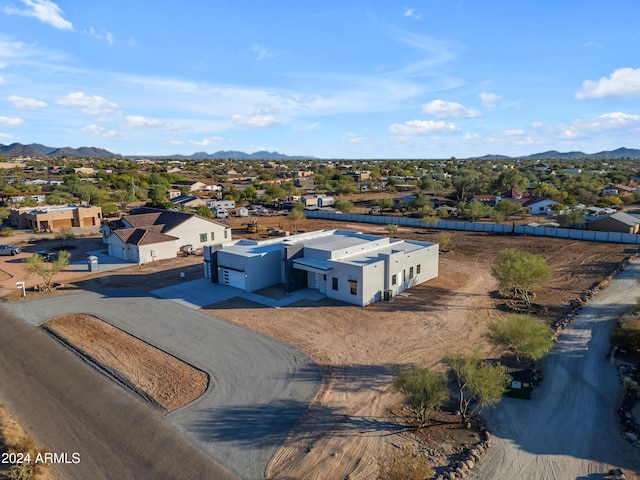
193, 186
84, 170
512, 194
213, 187
190, 201
305, 183
309, 200
23, 196
616, 222
52, 218
616, 189
490, 200
174, 193
343, 265
538, 205
154, 234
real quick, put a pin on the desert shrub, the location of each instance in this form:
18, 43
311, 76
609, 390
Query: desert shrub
402, 464
6, 231
627, 335
20, 471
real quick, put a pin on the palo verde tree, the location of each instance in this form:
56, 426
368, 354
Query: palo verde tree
480, 383
518, 271
525, 336
37, 265
424, 390
64, 236
295, 217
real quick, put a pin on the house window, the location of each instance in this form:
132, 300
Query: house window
353, 287
394, 279
213, 236
203, 237
418, 269
225, 233
334, 283
411, 272
325, 277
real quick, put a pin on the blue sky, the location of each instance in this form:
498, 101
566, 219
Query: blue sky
360, 79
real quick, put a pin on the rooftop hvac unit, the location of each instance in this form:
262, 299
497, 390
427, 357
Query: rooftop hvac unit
388, 296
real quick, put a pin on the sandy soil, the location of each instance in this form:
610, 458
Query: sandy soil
156, 375
360, 348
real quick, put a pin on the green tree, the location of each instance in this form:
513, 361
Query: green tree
392, 228
295, 217
402, 464
518, 271
480, 383
204, 211
64, 236
477, 210
345, 206
37, 265
443, 240
423, 389
525, 336
571, 217
123, 198
508, 207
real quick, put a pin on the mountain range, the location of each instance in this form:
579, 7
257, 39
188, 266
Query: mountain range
38, 150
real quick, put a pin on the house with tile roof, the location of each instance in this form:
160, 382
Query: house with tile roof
152, 234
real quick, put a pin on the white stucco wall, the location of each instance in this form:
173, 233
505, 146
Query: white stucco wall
189, 232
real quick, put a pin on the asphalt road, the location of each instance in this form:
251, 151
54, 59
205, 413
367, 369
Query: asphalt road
570, 428
68, 408
260, 389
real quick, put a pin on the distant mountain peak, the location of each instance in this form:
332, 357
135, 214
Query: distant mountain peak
38, 150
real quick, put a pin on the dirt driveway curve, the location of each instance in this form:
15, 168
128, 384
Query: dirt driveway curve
570, 429
261, 386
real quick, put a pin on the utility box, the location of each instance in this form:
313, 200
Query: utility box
92, 263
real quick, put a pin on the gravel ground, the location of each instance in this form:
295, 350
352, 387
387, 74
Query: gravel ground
570, 429
261, 386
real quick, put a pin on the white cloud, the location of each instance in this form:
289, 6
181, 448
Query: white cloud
92, 105
22, 102
623, 83
411, 13
104, 35
255, 120
261, 52
11, 121
514, 133
176, 142
205, 142
442, 109
101, 132
354, 138
138, 121
6, 136
422, 127
2, 80
45, 11
489, 100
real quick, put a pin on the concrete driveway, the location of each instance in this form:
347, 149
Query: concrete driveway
259, 389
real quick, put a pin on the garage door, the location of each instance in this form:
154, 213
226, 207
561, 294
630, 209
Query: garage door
233, 278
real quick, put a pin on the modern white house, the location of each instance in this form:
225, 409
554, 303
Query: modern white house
344, 265
156, 234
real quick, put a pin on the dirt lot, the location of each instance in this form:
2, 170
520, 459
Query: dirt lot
162, 379
359, 348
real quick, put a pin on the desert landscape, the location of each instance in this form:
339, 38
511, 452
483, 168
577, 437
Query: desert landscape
357, 413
